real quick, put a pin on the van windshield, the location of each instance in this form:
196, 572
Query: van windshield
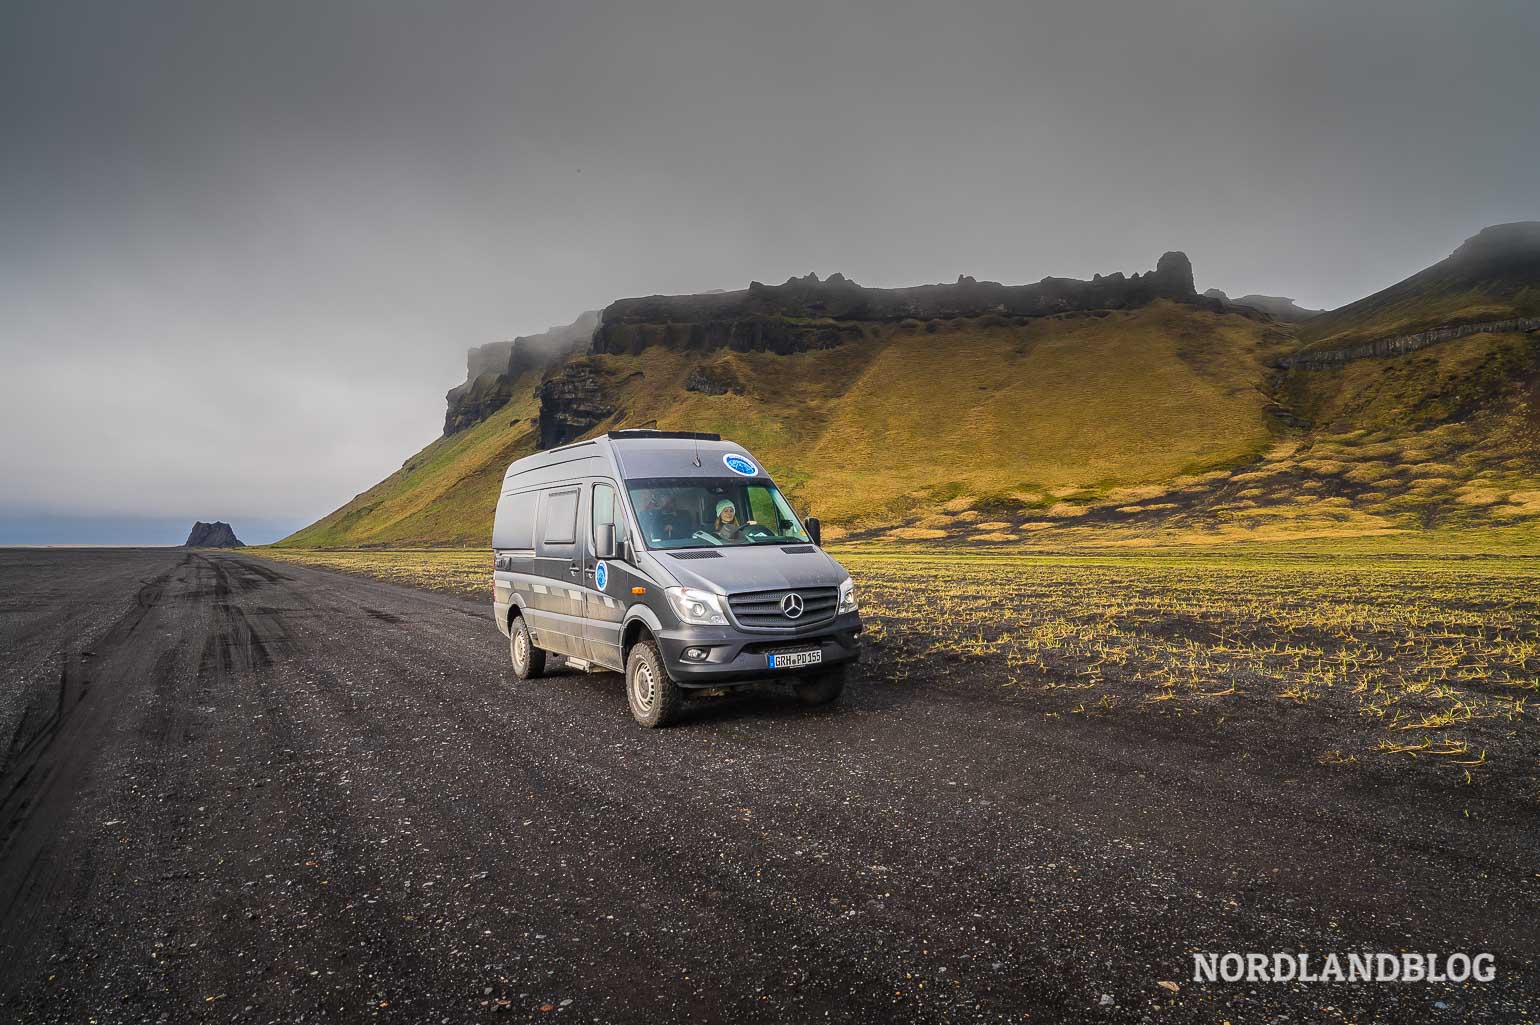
707, 512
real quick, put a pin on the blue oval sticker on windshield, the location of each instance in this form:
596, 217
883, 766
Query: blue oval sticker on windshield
740, 465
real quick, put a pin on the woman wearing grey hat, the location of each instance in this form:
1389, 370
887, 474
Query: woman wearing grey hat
727, 526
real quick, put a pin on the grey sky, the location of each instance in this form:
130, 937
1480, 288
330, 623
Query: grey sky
243, 247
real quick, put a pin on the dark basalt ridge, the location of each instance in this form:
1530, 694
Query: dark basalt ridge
808, 313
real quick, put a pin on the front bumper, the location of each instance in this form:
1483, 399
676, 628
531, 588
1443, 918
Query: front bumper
736, 655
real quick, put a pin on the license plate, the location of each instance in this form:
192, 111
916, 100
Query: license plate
793, 659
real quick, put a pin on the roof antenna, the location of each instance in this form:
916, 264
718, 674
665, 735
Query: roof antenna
695, 436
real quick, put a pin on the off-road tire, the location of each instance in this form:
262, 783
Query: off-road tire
655, 699
824, 688
528, 660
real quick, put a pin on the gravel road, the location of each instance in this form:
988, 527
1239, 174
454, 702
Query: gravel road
239, 790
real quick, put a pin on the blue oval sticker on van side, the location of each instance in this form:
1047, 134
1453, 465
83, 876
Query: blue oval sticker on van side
601, 575
740, 465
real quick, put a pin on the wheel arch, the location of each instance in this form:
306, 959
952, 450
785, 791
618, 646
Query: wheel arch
515, 609
640, 622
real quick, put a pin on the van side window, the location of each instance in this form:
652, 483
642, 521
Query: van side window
606, 510
561, 517
515, 526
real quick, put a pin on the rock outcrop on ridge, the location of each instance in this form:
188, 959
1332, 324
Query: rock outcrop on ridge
811, 313
492, 369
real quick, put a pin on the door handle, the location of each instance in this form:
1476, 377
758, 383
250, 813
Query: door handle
573, 569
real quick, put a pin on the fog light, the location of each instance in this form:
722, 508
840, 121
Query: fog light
696, 654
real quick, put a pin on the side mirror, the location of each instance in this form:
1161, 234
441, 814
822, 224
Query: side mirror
815, 530
604, 543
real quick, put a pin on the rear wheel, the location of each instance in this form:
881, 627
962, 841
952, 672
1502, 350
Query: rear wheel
528, 660
824, 688
655, 699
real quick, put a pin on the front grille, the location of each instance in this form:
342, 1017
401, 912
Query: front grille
762, 609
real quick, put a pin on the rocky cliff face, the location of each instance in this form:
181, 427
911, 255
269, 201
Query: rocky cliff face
809, 313
492, 369
1400, 345
572, 403
212, 535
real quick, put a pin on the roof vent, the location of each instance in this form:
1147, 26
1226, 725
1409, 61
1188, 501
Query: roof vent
686, 435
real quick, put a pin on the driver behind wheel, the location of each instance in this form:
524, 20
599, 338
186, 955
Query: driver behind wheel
727, 526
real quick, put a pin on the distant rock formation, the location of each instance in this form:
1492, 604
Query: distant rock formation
809, 313
212, 535
490, 370
1276, 306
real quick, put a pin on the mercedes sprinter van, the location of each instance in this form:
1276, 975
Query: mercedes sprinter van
674, 559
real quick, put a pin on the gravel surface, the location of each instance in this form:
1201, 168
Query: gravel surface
239, 790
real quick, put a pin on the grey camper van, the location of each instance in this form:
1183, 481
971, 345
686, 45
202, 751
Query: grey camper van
672, 558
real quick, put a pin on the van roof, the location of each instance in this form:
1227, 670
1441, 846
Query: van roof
641, 434
644, 453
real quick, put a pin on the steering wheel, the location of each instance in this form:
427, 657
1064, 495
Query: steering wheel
757, 530
706, 535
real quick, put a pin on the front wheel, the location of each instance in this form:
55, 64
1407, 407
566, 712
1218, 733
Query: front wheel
655, 699
528, 660
822, 689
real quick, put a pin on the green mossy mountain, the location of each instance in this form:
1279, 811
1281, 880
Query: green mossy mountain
1119, 410
1493, 276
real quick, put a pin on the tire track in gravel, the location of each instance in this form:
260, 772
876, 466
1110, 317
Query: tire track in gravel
42, 777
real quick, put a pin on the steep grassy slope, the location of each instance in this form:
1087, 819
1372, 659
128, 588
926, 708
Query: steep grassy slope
1009, 414
1444, 440
1494, 275
909, 416
1140, 429
918, 414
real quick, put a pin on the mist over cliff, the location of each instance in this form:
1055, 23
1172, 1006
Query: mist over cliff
491, 369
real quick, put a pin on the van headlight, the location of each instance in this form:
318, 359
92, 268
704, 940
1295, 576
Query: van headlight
701, 608
847, 596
